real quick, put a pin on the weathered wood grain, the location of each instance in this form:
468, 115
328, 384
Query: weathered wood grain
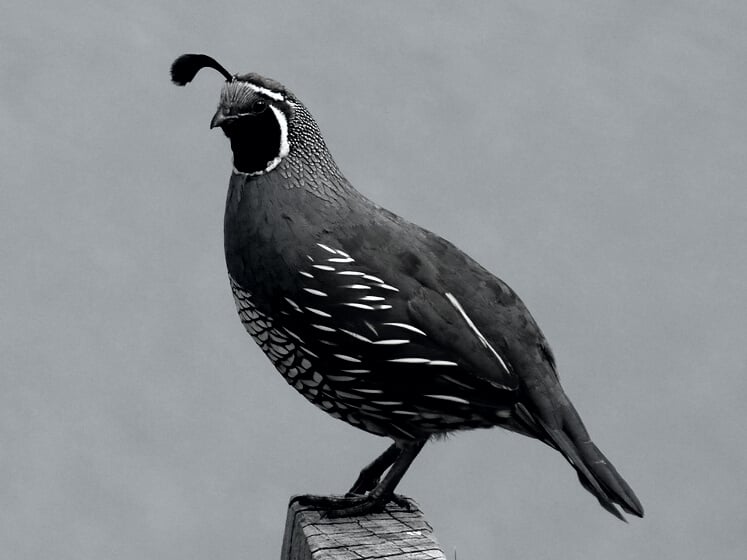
394, 534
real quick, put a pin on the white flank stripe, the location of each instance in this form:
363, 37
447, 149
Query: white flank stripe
318, 312
409, 361
324, 267
383, 307
314, 292
369, 391
448, 398
307, 274
293, 304
442, 363
347, 358
388, 287
405, 326
323, 328
359, 306
357, 287
456, 382
340, 377
329, 249
294, 335
355, 371
372, 298
392, 341
471, 325
356, 335
388, 403
373, 278
351, 273
341, 260
309, 352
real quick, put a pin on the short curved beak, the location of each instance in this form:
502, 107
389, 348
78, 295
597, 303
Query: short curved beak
220, 118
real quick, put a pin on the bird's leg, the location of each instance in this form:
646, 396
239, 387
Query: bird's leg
377, 498
369, 476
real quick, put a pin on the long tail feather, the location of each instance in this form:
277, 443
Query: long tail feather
595, 471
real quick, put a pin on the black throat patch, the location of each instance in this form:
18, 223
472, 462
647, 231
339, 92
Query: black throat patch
255, 141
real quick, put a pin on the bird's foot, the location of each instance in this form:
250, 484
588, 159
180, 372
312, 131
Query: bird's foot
352, 505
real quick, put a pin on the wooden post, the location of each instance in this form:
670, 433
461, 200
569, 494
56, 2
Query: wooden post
394, 534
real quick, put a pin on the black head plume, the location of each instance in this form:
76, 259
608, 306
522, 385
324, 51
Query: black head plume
185, 68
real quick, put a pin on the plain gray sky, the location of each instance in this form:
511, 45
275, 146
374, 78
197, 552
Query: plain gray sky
593, 154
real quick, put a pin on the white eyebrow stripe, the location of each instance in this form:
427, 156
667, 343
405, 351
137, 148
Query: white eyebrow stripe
474, 328
264, 91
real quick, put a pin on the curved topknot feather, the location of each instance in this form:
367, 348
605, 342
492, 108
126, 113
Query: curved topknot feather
185, 68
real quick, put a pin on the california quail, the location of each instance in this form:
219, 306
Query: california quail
373, 319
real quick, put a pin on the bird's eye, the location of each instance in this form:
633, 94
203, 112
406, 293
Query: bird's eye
259, 106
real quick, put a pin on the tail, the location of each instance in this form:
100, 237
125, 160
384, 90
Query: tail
594, 470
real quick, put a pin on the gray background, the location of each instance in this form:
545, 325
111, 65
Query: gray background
593, 154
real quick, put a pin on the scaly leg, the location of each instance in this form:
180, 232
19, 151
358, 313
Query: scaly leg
370, 475
376, 499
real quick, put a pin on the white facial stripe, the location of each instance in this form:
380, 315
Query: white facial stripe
474, 328
283, 122
284, 147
